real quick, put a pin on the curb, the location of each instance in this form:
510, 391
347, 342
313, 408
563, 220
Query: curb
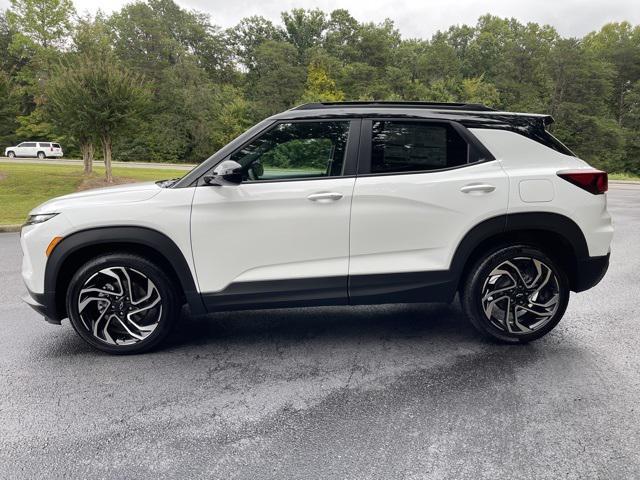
10, 228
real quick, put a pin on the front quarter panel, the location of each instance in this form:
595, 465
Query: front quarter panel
167, 212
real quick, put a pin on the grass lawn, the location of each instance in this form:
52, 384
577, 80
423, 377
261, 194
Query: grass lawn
624, 176
24, 186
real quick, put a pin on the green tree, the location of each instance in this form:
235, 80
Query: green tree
631, 120
42, 23
619, 45
320, 87
9, 105
581, 86
476, 90
248, 35
276, 83
100, 98
304, 29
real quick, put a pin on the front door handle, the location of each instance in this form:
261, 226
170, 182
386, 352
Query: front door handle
478, 188
325, 197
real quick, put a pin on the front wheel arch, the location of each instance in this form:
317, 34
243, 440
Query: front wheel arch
76, 249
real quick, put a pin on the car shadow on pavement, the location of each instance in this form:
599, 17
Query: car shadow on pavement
362, 324
345, 324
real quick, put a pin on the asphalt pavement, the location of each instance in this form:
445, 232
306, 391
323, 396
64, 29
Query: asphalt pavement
397, 391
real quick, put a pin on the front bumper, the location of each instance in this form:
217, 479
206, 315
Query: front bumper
43, 304
589, 272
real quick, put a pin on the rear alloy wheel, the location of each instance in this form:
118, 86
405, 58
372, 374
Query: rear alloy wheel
41, 155
516, 294
121, 303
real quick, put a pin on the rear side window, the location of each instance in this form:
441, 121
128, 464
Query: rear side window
28, 144
406, 146
47, 145
55, 145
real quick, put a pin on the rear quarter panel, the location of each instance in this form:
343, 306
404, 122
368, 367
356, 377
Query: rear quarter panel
534, 185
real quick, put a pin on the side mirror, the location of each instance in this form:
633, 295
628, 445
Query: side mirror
227, 172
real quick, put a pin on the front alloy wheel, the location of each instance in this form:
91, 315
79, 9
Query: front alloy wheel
121, 303
119, 306
515, 294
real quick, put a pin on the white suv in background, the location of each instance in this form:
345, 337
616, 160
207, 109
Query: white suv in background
333, 204
40, 150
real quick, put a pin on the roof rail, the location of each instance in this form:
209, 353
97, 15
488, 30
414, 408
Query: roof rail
390, 104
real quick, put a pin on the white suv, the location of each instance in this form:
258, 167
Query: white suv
333, 204
40, 150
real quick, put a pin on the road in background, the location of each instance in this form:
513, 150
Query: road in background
397, 391
98, 163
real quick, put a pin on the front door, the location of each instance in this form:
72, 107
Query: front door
282, 235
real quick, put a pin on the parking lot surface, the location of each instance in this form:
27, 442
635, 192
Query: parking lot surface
394, 391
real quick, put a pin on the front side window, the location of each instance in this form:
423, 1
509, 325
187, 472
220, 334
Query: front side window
295, 150
405, 146
27, 144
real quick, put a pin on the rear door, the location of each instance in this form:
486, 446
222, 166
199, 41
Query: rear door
44, 147
421, 186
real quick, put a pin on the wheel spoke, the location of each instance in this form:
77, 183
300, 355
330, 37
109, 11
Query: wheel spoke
520, 295
119, 305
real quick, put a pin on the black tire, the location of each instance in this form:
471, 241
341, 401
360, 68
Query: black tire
11, 155
477, 294
163, 313
41, 155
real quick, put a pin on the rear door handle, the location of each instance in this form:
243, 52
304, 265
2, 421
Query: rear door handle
325, 197
478, 188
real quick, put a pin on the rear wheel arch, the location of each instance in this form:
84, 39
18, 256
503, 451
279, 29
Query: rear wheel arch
78, 248
557, 235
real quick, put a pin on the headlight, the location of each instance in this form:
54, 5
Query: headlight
39, 218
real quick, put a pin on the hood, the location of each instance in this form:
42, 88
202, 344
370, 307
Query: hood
119, 194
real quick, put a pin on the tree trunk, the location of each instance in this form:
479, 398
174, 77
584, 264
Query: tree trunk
106, 150
87, 156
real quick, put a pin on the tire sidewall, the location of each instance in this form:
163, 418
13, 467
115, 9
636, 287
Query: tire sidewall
472, 293
158, 277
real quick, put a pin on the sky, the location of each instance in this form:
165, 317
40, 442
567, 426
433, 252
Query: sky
417, 19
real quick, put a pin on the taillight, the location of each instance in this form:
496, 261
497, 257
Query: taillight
593, 181
52, 149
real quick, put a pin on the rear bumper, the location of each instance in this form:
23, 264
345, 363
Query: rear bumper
43, 304
590, 271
